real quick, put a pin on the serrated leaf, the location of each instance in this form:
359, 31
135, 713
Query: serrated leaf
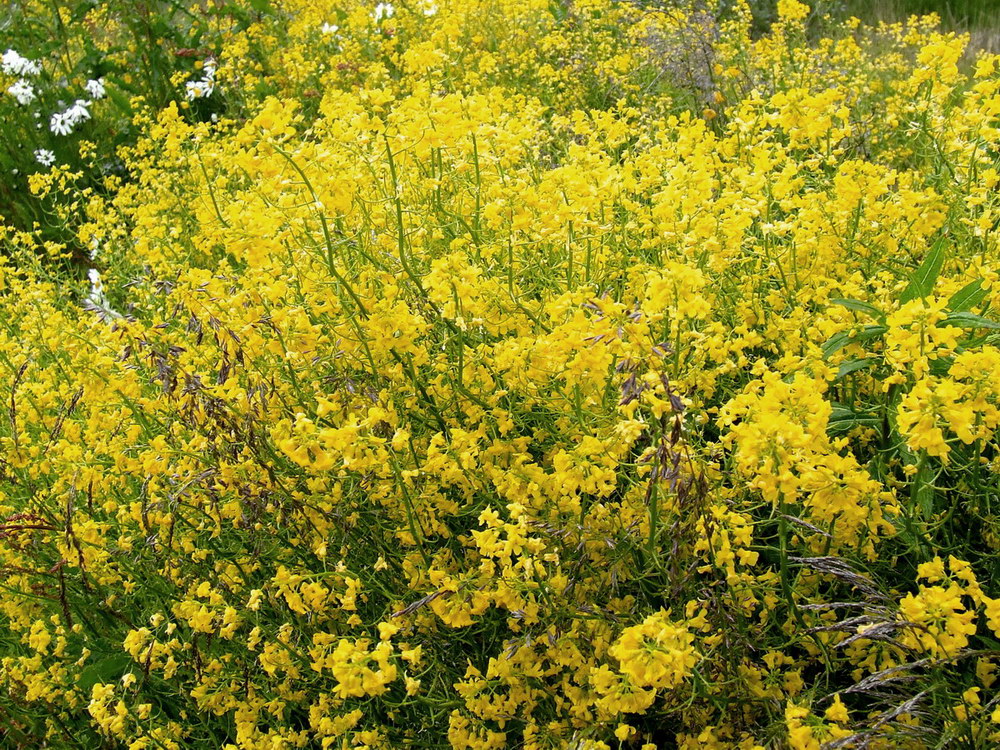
922, 280
859, 306
968, 320
967, 297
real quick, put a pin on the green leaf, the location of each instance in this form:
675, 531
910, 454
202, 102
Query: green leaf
853, 365
940, 366
922, 280
839, 340
859, 306
870, 332
968, 320
990, 642
967, 297
843, 420
835, 343
103, 671
234, 11
119, 100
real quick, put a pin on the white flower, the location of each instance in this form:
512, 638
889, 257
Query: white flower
97, 301
95, 281
22, 91
329, 28
204, 87
382, 11
95, 87
79, 112
198, 89
45, 157
15, 65
430, 9
62, 123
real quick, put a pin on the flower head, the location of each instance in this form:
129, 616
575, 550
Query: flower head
59, 124
14, 64
95, 87
202, 88
63, 123
23, 91
383, 11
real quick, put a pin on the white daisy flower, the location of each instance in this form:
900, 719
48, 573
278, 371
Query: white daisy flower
45, 157
22, 91
198, 89
204, 87
60, 124
14, 64
63, 123
383, 11
95, 87
79, 112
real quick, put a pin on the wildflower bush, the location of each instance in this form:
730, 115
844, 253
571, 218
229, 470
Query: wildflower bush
508, 373
74, 75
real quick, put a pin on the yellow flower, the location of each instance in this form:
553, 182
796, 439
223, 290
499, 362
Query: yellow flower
792, 10
657, 654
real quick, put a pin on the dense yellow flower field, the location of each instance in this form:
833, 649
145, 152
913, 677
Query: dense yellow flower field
506, 373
